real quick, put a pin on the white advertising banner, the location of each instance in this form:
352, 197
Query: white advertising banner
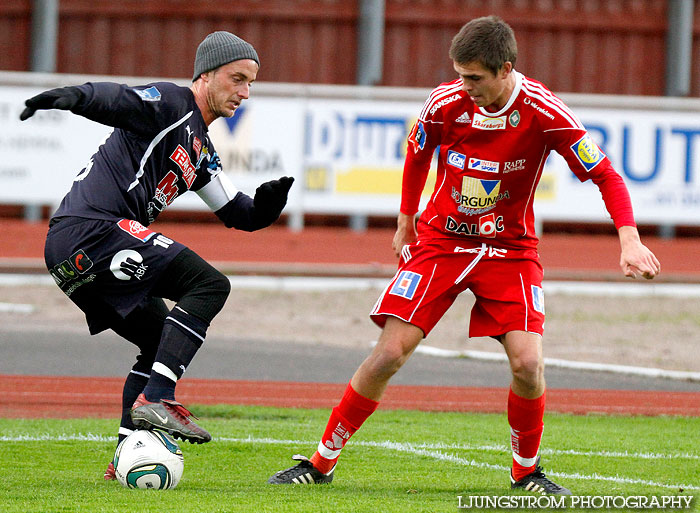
42, 155
347, 154
261, 142
656, 154
353, 155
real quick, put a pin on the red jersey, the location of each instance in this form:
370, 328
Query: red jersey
490, 163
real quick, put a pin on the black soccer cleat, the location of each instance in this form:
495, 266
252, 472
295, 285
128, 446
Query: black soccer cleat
303, 473
537, 482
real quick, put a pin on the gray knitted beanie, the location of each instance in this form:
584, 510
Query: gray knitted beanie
220, 48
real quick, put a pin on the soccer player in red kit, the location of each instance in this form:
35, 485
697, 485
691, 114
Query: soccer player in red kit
495, 128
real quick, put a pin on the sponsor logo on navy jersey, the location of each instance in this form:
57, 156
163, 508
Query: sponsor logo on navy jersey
183, 161
406, 284
79, 283
67, 272
136, 229
78, 263
166, 192
81, 261
455, 159
150, 94
128, 264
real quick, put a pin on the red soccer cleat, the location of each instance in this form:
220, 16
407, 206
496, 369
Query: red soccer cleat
169, 416
110, 474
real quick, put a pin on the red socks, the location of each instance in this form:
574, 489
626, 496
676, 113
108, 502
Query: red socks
525, 419
524, 416
345, 419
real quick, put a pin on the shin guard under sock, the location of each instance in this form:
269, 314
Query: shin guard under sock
133, 386
183, 335
526, 426
345, 419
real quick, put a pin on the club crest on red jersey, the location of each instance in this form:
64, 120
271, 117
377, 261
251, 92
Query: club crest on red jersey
417, 137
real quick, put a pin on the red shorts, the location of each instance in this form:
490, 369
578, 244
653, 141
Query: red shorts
507, 284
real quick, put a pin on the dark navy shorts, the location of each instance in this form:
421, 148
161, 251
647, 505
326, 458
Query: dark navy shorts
106, 264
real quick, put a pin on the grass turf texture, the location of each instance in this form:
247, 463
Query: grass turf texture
399, 461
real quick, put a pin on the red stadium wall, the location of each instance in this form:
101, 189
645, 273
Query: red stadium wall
586, 46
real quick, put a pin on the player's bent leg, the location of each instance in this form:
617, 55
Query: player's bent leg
524, 352
142, 327
396, 343
526, 405
200, 292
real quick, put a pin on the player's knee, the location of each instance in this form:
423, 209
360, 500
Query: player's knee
219, 288
389, 359
529, 371
209, 296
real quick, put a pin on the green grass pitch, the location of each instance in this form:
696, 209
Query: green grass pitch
400, 461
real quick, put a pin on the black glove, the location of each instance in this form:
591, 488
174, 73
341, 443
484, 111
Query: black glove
271, 197
64, 98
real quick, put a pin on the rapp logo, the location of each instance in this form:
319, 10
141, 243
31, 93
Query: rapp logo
514, 165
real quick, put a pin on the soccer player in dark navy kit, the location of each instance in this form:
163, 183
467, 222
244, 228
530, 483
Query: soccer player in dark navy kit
99, 249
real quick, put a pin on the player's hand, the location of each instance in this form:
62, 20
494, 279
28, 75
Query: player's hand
271, 197
405, 233
64, 98
635, 258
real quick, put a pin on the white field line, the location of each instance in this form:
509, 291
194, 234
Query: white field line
20, 308
314, 283
427, 450
649, 372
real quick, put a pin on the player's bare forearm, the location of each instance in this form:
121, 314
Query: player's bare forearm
635, 258
405, 232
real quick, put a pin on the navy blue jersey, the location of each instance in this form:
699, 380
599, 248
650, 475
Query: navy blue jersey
159, 149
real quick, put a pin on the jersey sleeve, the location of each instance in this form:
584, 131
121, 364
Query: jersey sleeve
145, 110
588, 162
423, 139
